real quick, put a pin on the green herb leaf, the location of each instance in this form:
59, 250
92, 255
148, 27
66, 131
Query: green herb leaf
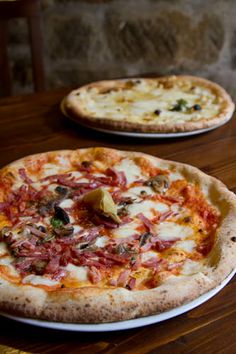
56, 223
181, 105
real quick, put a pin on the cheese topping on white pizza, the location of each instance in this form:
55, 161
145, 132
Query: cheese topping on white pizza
150, 102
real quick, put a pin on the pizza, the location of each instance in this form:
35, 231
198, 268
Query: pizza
150, 105
100, 235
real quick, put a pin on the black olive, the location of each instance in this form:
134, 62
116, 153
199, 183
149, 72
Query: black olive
61, 215
42, 229
86, 164
233, 238
157, 112
61, 190
187, 219
15, 252
83, 246
197, 107
133, 260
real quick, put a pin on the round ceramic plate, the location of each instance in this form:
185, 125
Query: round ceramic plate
117, 326
151, 135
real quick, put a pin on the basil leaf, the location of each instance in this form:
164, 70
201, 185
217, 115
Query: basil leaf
56, 223
181, 105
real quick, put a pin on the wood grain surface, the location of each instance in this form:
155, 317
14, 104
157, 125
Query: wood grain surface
31, 124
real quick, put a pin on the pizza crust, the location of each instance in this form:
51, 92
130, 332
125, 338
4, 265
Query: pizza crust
97, 305
80, 113
93, 305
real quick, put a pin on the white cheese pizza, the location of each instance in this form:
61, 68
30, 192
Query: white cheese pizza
151, 105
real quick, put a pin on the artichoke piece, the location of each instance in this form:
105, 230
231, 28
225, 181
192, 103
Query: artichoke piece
101, 202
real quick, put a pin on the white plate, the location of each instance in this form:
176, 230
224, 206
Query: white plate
152, 135
117, 326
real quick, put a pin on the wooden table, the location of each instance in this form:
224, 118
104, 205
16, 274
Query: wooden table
34, 124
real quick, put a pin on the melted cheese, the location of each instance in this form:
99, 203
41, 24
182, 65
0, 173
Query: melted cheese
52, 187
101, 241
125, 230
147, 255
139, 103
72, 219
174, 176
176, 208
65, 162
79, 273
82, 180
186, 245
67, 203
39, 280
191, 267
76, 174
138, 190
146, 208
51, 169
7, 261
131, 170
3, 249
77, 229
99, 175
169, 231
38, 185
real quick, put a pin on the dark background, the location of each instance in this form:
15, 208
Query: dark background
87, 40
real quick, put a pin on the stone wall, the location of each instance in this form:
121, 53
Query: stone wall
87, 40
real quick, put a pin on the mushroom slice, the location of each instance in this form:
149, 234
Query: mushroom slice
64, 231
159, 183
100, 200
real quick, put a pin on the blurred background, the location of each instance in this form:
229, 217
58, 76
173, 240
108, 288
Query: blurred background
87, 40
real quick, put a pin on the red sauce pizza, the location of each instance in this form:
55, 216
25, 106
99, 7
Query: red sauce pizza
99, 235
